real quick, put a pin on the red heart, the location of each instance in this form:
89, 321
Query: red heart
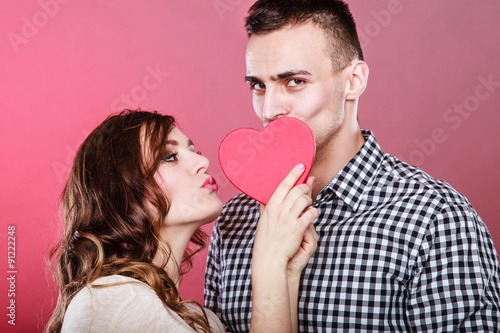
257, 161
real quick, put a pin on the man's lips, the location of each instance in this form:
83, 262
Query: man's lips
210, 184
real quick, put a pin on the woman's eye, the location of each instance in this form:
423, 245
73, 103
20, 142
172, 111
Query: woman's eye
170, 157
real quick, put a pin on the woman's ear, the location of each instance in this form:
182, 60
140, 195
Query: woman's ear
357, 79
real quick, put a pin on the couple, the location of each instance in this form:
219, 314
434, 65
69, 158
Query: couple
137, 194
397, 249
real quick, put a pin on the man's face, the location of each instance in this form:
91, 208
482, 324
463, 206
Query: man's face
290, 73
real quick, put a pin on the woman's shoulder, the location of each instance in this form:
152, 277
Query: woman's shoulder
109, 291
119, 303
107, 302
215, 323
113, 284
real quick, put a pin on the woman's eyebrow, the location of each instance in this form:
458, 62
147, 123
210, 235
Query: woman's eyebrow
175, 143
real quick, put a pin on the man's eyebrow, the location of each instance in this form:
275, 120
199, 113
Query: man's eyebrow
251, 79
289, 73
280, 76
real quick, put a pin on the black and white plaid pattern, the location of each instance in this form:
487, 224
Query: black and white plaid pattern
398, 252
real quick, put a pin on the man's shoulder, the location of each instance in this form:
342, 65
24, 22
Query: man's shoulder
241, 209
416, 181
383, 178
240, 203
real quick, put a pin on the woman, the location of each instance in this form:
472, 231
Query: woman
136, 197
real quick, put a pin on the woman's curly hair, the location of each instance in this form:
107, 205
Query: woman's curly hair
113, 210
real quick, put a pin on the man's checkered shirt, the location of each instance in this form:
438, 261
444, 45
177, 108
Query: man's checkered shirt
398, 251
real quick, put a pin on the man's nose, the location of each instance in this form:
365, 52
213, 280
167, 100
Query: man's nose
275, 105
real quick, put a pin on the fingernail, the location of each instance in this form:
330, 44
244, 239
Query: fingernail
300, 167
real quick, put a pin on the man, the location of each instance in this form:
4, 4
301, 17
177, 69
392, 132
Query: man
398, 250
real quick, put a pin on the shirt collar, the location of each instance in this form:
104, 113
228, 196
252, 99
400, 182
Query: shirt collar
350, 183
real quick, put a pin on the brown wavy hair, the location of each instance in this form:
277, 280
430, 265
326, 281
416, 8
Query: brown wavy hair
113, 210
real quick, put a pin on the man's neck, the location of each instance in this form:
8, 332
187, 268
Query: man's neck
333, 157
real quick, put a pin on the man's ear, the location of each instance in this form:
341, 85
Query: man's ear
357, 79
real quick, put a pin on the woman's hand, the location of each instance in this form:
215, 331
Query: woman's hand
309, 242
285, 231
284, 241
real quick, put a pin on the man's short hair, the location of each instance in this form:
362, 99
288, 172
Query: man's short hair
333, 16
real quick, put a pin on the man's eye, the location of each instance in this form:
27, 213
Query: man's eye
170, 157
257, 86
295, 82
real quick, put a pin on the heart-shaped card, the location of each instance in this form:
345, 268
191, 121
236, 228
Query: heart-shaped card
257, 161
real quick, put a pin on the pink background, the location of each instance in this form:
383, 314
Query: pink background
66, 65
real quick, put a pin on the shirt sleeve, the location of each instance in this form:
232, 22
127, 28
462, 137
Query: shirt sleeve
456, 283
213, 288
